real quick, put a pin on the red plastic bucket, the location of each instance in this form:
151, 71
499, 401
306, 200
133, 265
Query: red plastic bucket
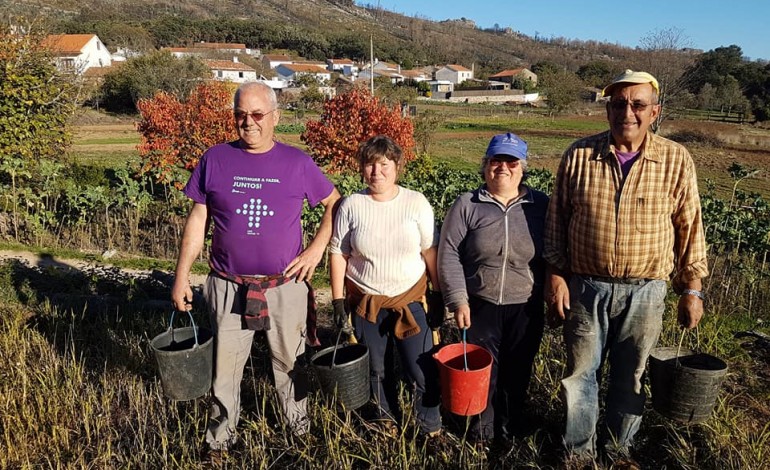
464, 392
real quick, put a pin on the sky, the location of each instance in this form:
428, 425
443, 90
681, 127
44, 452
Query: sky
707, 24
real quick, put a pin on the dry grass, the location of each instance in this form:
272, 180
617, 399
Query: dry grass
80, 390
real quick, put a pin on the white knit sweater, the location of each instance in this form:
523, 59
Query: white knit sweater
384, 240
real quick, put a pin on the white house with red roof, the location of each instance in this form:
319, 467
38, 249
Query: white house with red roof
231, 71
454, 73
77, 52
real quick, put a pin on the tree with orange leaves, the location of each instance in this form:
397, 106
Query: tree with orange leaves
350, 119
176, 133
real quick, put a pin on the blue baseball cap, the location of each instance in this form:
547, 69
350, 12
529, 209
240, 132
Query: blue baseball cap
507, 144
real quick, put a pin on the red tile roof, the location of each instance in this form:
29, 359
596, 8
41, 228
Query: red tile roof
507, 73
67, 44
99, 72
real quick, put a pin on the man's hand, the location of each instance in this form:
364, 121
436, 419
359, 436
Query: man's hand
341, 317
689, 311
181, 295
557, 298
303, 266
436, 311
463, 316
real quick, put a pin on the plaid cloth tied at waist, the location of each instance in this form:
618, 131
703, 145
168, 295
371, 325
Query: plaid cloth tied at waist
255, 314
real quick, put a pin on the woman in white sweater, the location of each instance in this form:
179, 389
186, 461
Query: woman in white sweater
384, 244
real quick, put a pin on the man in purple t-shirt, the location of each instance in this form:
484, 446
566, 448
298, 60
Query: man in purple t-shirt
252, 192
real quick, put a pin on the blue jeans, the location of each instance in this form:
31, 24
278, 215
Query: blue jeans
417, 363
616, 321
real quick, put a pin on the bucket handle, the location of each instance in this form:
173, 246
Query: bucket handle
192, 322
681, 340
336, 345
465, 352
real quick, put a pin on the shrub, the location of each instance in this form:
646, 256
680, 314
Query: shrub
350, 119
176, 133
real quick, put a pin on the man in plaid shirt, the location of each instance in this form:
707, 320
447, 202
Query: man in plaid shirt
624, 218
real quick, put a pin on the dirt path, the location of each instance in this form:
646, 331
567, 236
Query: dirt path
323, 294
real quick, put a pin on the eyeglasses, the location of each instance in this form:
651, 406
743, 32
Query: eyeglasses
256, 116
499, 162
636, 106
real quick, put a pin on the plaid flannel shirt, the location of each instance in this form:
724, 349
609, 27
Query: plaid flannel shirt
646, 226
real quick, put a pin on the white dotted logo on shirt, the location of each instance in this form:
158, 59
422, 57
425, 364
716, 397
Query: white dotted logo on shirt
254, 210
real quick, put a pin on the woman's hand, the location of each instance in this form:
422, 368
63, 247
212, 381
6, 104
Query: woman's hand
463, 316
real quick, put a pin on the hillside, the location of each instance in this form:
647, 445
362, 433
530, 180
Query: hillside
336, 27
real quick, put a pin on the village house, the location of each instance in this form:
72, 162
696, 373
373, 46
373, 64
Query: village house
232, 71
393, 76
77, 52
344, 66
416, 75
511, 75
441, 89
271, 61
291, 72
453, 73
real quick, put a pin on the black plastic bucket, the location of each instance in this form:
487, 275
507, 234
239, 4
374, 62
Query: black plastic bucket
185, 360
685, 384
344, 371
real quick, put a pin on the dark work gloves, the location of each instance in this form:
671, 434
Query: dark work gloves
341, 316
435, 314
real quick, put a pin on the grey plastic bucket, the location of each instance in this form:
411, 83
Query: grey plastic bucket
344, 371
685, 384
185, 360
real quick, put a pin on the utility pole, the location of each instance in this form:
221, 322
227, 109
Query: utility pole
371, 63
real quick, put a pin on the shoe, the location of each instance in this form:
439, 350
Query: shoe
437, 443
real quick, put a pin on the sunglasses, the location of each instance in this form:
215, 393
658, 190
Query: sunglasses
507, 162
636, 106
256, 116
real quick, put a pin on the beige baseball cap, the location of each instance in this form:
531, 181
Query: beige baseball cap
629, 76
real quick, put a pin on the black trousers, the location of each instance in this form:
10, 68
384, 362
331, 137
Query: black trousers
512, 333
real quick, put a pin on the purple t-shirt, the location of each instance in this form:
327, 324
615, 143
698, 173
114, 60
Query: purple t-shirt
626, 160
255, 203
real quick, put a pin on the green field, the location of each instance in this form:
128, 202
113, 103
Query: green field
463, 137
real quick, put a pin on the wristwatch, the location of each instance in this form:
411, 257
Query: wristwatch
694, 292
